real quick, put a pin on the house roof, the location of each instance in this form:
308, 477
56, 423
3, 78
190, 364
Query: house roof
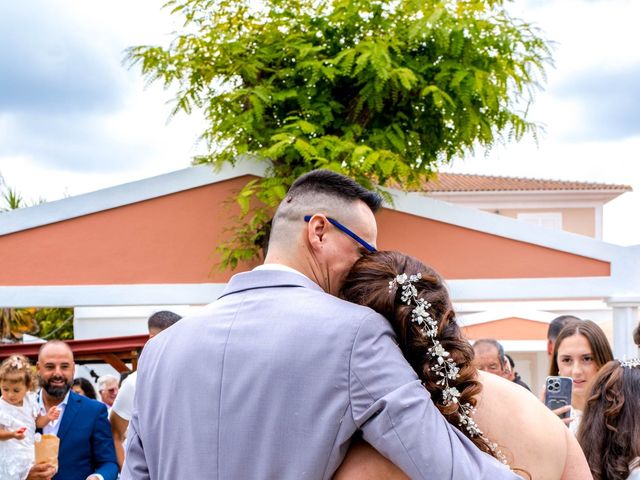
117, 246
462, 182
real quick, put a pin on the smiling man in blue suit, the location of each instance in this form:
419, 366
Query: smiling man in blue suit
86, 445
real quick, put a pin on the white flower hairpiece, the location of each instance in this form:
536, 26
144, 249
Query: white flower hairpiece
443, 365
633, 363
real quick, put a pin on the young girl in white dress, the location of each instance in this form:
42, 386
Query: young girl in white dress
19, 418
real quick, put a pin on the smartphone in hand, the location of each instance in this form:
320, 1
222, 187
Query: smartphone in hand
557, 393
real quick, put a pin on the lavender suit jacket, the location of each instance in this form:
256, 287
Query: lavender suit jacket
272, 381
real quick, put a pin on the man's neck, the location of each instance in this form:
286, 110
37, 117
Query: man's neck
306, 265
50, 401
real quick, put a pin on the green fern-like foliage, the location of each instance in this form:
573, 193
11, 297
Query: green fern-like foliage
381, 91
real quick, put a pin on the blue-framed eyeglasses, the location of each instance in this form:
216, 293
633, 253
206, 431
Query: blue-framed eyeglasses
344, 229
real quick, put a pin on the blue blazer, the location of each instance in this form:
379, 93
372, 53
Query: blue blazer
86, 443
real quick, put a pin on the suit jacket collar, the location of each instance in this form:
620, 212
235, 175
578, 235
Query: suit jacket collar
70, 412
257, 279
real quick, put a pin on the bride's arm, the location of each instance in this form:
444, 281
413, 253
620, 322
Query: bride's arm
576, 466
363, 462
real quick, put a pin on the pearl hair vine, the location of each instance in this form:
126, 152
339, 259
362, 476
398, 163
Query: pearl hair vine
442, 363
632, 363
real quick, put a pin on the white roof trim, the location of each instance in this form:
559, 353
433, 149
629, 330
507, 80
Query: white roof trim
595, 195
419, 205
484, 290
125, 194
107, 295
502, 313
532, 289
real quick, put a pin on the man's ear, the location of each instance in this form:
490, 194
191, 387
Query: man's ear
316, 230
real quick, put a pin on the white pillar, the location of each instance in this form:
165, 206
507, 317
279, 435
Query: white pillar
625, 320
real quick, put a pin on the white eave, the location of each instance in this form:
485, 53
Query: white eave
120, 195
529, 198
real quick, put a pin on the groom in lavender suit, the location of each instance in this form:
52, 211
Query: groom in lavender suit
273, 379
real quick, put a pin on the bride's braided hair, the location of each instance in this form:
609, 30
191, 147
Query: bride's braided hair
368, 284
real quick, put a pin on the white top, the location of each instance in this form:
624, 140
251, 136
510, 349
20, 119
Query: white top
634, 469
123, 405
16, 456
577, 417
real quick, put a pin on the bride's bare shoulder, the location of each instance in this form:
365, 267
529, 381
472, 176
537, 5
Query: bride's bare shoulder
525, 429
501, 398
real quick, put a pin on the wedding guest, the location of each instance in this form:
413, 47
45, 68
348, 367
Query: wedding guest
515, 376
286, 372
86, 447
108, 389
580, 350
610, 428
489, 357
82, 386
120, 414
498, 417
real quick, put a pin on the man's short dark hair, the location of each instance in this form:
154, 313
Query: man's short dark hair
162, 320
510, 360
636, 335
558, 323
335, 184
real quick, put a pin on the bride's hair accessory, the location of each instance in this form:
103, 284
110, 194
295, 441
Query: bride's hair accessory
442, 363
633, 363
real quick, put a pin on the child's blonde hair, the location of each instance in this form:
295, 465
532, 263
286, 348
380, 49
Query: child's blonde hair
17, 366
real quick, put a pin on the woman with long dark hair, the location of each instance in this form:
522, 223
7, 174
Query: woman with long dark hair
581, 349
500, 418
610, 429
84, 387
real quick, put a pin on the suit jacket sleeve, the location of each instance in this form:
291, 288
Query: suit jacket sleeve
135, 462
104, 454
398, 418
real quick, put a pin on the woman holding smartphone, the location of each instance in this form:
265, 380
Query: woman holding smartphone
581, 349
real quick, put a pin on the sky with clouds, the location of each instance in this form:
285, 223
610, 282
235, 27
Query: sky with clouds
74, 118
